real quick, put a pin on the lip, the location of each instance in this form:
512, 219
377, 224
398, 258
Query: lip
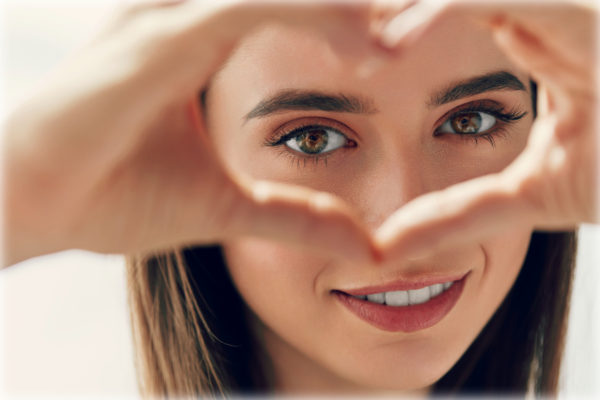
403, 318
405, 285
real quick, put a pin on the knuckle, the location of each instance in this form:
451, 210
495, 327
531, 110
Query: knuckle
527, 189
577, 119
229, 205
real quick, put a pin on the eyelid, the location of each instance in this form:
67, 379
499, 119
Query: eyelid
303, 122
491, 107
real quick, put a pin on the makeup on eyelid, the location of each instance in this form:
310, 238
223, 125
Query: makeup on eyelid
393, 148
472, 117
488, 108
315, 139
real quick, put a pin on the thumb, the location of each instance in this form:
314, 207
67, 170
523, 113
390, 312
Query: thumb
302, 217
462, 213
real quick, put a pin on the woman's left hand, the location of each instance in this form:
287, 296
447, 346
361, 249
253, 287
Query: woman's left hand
553, 184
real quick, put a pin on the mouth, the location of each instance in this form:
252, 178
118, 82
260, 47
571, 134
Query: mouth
404, 306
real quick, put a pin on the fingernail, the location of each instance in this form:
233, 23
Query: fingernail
261, 191
322, 202
404, 23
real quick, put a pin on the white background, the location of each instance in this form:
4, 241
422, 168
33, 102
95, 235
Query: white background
64, 324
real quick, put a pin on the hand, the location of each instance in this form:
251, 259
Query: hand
553, 184
112, 156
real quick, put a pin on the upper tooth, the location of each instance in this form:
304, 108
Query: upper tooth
376, 297
407, 297
436, 289
397, 298
418, 296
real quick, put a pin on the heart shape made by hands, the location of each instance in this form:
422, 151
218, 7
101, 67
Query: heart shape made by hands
549, 185
134, 179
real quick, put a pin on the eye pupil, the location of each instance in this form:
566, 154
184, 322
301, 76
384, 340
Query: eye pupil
467, 123
313, 141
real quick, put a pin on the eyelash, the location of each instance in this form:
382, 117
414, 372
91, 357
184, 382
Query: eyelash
282, 136
503, 119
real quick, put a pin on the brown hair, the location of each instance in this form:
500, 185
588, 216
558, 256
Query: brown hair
520, 349
192, 336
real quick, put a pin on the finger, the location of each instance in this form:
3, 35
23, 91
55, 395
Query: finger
563, 32
383, 11
192, 39
413, 22
144, 4
553, 41
292, 214
564, 78
576, 19
301, 217
464, 213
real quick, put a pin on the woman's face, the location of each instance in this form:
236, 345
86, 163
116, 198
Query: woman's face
377, 140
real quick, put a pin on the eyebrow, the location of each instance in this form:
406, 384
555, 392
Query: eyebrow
295, 99
501, 80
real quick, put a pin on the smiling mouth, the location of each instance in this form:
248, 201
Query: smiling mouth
408, 310
400, 298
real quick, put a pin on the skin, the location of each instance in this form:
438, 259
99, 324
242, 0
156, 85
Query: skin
112, 156
77, 156
314, 343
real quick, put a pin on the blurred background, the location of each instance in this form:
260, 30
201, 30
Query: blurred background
64, 323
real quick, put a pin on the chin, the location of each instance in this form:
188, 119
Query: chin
398, 368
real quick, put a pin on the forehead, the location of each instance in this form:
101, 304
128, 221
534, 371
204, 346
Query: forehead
278, 57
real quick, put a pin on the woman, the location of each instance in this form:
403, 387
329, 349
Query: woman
339, 99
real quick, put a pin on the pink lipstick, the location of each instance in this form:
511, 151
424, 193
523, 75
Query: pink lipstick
405, 307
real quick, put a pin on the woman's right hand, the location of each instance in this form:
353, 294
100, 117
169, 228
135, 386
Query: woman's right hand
553, 184
112, 155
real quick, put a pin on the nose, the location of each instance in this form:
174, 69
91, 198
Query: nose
393, 179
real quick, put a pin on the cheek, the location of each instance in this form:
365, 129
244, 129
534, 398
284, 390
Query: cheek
487, 287
272, 277
283, 287
505, 255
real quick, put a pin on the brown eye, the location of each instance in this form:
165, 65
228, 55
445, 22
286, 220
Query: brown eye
468, 123
316, 140
312, 142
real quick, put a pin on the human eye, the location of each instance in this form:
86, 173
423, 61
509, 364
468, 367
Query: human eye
478, 120
311, 140
316, 140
